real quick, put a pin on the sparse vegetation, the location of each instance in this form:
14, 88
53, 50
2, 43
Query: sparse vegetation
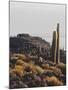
28, 74
32, 66
53, 81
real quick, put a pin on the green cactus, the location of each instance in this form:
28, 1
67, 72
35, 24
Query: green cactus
54, 46
58, 51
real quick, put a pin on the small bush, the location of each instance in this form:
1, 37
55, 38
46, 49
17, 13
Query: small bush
20, 56
48, 73
57, 72
39, 69
62, 66
45, 66
19, 70
53, 81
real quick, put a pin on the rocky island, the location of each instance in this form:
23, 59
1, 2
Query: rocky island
36, 63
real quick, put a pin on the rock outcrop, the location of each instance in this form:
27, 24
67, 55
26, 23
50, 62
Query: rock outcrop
30, 45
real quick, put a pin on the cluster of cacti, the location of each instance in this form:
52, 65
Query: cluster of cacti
55, 46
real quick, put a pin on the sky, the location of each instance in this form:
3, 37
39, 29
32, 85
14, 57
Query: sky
38, 19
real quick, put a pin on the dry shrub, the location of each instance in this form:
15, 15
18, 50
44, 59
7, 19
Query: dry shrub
35, 68
39, 69
20, 56
56, 71
20, 62
62, 66
48, 73
28, 69
53, 81
45, 66
19, 70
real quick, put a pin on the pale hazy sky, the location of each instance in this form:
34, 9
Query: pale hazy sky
37, 19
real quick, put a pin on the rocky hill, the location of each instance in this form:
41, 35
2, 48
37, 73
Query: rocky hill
29, 45
30, 63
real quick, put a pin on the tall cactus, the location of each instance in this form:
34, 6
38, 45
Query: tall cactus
58, 51
54, 46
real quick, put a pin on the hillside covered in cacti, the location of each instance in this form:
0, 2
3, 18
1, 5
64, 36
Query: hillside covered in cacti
33, 63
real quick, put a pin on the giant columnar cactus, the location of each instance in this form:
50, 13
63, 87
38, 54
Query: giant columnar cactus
54, 46
58, 51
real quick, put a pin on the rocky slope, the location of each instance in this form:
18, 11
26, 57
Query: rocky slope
33, 46
25, 73
30, 45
